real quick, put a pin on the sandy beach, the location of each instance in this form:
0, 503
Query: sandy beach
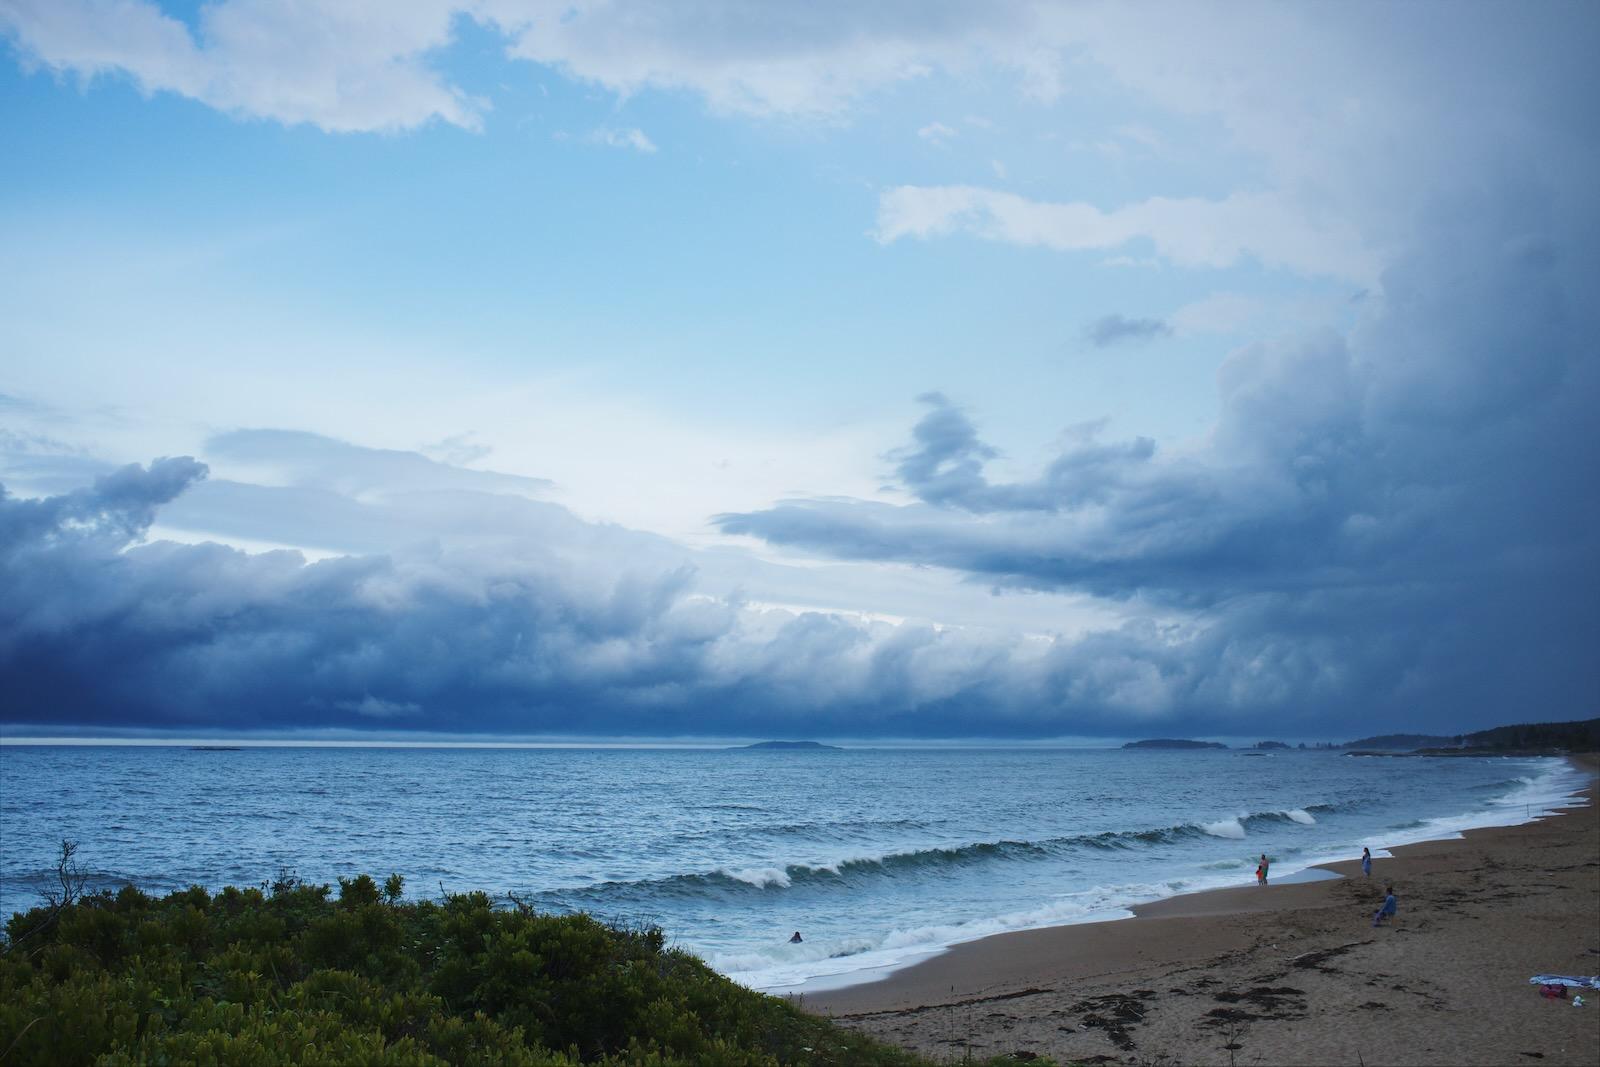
1287, 974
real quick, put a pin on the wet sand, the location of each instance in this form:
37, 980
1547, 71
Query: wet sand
1290, 974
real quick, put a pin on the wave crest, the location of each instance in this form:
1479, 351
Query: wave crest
853, 870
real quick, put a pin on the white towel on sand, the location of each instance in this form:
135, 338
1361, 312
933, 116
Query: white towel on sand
1592, 982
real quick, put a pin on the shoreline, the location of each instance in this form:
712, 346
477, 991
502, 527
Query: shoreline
835, 982
1222, 963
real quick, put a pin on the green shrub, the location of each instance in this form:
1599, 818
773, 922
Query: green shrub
290, 974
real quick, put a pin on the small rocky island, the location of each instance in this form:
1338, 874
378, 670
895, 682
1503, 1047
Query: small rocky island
1173, 742
793, 745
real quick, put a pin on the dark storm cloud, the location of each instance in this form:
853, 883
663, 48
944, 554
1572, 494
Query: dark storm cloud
1103, 518
506, 616
119, 507
1393, 528
1403, 520
944, 466
1118, 329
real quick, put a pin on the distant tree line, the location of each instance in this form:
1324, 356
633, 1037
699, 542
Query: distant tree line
1581, 736
1405, 742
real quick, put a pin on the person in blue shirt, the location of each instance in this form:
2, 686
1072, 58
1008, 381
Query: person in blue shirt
1390, 906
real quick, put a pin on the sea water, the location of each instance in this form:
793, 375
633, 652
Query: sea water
877, 856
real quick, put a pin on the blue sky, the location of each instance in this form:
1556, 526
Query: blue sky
1008, 370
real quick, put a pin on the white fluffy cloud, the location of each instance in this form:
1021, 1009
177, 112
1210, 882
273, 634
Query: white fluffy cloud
633, 138
1351, 115
365, 64
1190, 232
343, 67
812, 59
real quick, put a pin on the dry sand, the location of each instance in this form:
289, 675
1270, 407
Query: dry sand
1292, 974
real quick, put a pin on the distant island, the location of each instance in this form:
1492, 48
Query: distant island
791, 745
1270, 744
1173, 742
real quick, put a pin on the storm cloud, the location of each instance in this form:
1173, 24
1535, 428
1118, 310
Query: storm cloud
1390, 526
536, 624
1390, 523
1401, 518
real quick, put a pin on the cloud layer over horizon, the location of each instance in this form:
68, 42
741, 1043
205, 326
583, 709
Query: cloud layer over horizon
529, 622
1255, 348
1394, 528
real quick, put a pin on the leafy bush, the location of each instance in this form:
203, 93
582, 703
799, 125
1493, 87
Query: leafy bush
292, 974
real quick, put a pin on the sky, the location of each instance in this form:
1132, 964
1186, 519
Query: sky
920, 370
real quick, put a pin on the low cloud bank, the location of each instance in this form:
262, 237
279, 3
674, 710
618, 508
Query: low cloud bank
538, 624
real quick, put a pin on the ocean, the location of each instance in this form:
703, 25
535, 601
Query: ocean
877, 856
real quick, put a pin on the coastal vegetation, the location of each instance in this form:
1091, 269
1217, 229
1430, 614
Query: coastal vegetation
1582, 736
1528, 738
1403, 742
1531, 738
297, 973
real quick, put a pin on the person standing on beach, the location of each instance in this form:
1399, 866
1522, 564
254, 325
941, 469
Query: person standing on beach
1261, 870
1366, 863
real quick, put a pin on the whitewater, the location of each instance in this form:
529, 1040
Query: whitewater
877, 856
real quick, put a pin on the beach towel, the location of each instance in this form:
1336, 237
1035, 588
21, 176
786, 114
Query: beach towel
1591, 982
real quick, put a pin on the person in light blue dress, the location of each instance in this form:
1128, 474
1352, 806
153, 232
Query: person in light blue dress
1366, 863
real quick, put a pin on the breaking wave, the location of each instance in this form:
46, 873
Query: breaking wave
849, 871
